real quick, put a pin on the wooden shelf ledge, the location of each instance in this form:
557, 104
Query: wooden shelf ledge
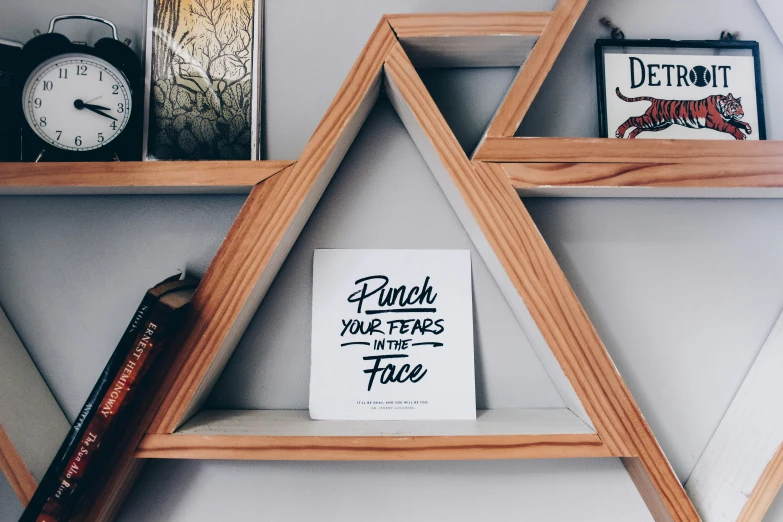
468, 24
604, 150
15, 470
292, 435
153, 177
642, 180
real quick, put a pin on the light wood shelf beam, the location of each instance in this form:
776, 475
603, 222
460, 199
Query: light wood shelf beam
468, 24
535, 69
535, 276
765, 490
15, 470
469, 39
136, 177
605, 150
671, 180
228, 447
292, 435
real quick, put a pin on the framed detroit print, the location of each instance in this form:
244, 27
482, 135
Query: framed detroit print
666, 89
392, 335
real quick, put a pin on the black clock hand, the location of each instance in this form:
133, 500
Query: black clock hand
96, 111
99, 107
79, 104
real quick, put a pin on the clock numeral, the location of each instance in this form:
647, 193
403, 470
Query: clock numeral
42, 121
64, 74
113, 125
100, 137
78, 140
59, 133
81, 70
37, 103
100, 76
116, 89
120, 108
48, 86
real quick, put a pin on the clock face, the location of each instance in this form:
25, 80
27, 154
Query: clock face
77, 102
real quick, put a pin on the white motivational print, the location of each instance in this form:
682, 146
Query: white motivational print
392, 335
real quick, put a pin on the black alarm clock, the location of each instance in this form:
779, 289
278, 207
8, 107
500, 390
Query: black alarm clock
80, 103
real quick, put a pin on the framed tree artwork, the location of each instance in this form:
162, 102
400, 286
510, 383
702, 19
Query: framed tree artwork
664, 89
203, 79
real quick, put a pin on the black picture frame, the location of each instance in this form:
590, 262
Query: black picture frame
602, 44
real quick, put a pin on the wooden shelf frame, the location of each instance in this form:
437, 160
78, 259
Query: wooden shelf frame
291, 435
32, 425
127, 177
469, 39
484, 192
599, 167
499, 225
737, 475
605, 150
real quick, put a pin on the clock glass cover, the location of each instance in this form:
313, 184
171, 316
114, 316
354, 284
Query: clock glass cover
77, 102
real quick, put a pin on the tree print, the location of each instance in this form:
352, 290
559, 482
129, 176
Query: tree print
202, 100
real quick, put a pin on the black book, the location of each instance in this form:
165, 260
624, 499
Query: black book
113, 367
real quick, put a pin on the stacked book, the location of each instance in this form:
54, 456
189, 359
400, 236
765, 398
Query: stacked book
94, 436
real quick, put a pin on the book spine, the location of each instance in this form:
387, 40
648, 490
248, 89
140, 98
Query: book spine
113, 405
60, 461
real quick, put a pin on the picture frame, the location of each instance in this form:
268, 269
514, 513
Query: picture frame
697, 85
206, 54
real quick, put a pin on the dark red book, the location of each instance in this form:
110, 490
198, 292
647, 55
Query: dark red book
89, 442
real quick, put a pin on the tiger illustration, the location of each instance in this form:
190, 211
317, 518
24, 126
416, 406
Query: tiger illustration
718, 112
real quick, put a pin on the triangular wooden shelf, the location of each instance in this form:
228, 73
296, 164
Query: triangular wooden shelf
601, 418
498, 224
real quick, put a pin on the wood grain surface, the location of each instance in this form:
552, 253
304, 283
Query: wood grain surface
136, 177
468, 24
13, 467
765, 490
575, 343
292, 435
543, 287
606, 150
535, 69
647, 488
729, 179
249, 447
261, 237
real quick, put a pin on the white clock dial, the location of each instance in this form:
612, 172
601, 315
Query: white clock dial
77, 102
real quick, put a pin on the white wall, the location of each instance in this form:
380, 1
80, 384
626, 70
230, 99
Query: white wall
682, 292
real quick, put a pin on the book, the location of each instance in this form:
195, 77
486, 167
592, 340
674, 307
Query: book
82, 454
